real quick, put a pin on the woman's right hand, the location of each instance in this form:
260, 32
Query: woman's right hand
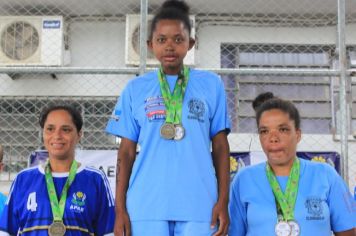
125, 159
122, 224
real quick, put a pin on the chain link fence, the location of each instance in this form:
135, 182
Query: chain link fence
84, 53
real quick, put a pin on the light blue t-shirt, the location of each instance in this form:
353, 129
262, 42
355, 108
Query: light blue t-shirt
172, 180
323, 203
2, 202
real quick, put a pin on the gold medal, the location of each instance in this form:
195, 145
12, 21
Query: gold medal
179, 132
57, 228
168, 131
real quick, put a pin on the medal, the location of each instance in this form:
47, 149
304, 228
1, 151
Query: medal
57, 228
179, 132
282, 228
168, 131
285, 201
173, 102
295, 229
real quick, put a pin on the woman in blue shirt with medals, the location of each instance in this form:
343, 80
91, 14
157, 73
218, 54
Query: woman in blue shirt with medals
178, 183
288, 196
60, 197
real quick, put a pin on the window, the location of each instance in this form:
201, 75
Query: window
310, 94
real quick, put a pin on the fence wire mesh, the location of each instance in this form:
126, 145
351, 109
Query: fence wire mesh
230, 34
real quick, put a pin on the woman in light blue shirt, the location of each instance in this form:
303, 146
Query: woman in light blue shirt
287, 195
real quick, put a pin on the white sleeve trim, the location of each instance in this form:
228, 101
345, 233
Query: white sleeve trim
111, 234
106, 184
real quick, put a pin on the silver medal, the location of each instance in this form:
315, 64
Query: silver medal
179, 132
295, 229
282, 228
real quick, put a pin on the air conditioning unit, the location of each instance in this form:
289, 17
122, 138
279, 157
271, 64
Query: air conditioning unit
31, 41
132, 42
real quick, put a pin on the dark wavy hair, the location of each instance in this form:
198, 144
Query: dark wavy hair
73, 112
267, 101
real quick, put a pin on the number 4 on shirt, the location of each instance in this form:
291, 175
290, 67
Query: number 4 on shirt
31, 202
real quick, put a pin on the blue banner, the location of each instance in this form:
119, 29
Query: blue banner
331, 158
238, 160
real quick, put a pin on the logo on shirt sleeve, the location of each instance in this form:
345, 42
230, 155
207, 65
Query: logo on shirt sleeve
115, 115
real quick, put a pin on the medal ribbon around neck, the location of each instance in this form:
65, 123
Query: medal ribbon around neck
174, 102
285, 201
58, 207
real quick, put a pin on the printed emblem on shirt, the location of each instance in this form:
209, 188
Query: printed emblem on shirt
78, 202
196, 110
315, 209
155, 108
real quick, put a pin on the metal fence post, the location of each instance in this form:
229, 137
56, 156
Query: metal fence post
342, 94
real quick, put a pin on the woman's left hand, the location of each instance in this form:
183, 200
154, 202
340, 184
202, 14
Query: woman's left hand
220, 219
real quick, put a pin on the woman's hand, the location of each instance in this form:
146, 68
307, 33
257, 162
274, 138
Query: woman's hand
220, 218
122, 224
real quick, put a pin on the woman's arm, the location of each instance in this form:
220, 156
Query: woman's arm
351, 232
125, 159
221, 154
